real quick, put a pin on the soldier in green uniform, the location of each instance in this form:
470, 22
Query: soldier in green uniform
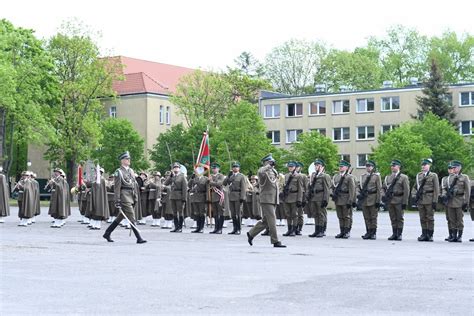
344, 196
198, 188
370, 187
154, 197
125, 197
300, 209
318, 197
237, 187
426, 198
4, 197
177, 195
292, 197
396, 192
269, 198
456, 195
217, 197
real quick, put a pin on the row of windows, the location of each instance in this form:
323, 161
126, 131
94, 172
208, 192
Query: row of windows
364, 105
165, 114
338, 134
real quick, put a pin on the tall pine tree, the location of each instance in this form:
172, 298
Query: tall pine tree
435, 97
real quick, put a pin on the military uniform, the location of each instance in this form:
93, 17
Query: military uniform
26, 200
100, 205
396, 193
111, 200
471, 204
370, 187
318, 197
426, 199
456, 191
293, 198
59, 207
177, 195
237, 187
217, 199
154, 199
344, 196
198, 190
4, 198
300, 209
143, 198
269, 198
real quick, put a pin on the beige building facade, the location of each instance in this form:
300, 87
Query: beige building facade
354, 119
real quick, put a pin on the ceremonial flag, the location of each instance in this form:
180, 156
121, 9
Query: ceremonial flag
204, 158
79, 176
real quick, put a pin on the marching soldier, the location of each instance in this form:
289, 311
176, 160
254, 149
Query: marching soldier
60, 206
269, 198
368, 199
154, 198
178, 190
217, 197
456, 195
300, 209
237, 187
125, 197
344, 196
318, 197
292, 197
396, 192
198, 188
426, 199
4, 197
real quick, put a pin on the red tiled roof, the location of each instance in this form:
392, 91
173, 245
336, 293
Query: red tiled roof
142, 76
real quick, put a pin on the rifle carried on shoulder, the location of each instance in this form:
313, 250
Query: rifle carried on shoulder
419, 192
337, 190
388, 196
364, 192
450, 192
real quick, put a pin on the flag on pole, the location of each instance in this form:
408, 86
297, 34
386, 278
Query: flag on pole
79, 176
204, 158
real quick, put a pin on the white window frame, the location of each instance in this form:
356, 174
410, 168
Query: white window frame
366, 103
366, 129
273, 136
341, 156
162, 114
391, 104
297, 133
470, 129
471, 98
342, 107
273, 106
318, 108
295, 105
342, 134
392, 127
113, 111
359, 166
168, 115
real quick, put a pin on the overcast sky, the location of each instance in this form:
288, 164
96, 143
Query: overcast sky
210, 34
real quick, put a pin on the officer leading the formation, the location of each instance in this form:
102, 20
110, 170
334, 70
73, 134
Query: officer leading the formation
125, 197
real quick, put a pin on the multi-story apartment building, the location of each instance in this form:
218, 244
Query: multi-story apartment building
354, 119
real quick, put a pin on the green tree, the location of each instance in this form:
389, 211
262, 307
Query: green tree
248, 65
245, 87
312, 145
83, 78
404, 144
118, 135
292, 66
242, 137
435, 97
27, 88
445, 143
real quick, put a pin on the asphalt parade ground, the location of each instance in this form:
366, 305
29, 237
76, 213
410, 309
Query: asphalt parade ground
74, 271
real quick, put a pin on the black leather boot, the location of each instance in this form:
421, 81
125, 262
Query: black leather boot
297, 229
321, 233
198, 225
234, 224
140, 240
216, 226
424, 235
399, 234
221, 225
109, 231
429, 235
450, 237
454, 235
265, 233
180, 224
203, 223
176, 225
288, 232
341, 233
279, 245
316, 231
373, 234
459, 236
239, 225
394, 234
347, 233
367, 233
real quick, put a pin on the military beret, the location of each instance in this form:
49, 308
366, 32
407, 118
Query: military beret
456, 163
291, 163
370, 163
396, 162
125, 155
176, 165
344, 163
235, 164
268, 157
427, 161
215, 165
319, 162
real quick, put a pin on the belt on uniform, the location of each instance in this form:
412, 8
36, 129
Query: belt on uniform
294, 191
127, 188
428, 191
318, 191
345, 191
371, 192
398, 194
459, 194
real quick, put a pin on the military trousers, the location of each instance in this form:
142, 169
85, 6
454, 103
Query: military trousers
426, 212
177, 207
344, 214
268, 222
396, 215
217, 209
370, 216
291, 213
319, 213
198, 208
300, 217
127, 209
280, 211
455, 218
235, 209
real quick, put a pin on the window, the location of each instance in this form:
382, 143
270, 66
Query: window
168, 115
465, 127
387, 128
113, 111
274, 136
340, 106
391, 104
467, 99
341, 133
345, 157
317, 108
294, 109
365, 105
162, 114
321, 131
361, 160
292, 135
272, 110
365, 132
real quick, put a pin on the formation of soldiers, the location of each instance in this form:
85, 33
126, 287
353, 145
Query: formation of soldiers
127, 199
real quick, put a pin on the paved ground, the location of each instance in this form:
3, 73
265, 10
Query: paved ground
74, 271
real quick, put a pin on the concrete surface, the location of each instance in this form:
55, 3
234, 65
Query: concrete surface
73, 271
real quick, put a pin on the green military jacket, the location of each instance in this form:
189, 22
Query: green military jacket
198, 188
430, 190
178, 186
461, 191
374, 188
319, 186
268, 184
401, 190
237, 185
347, 194
295, 188
217, 182
154, 190
124, 186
